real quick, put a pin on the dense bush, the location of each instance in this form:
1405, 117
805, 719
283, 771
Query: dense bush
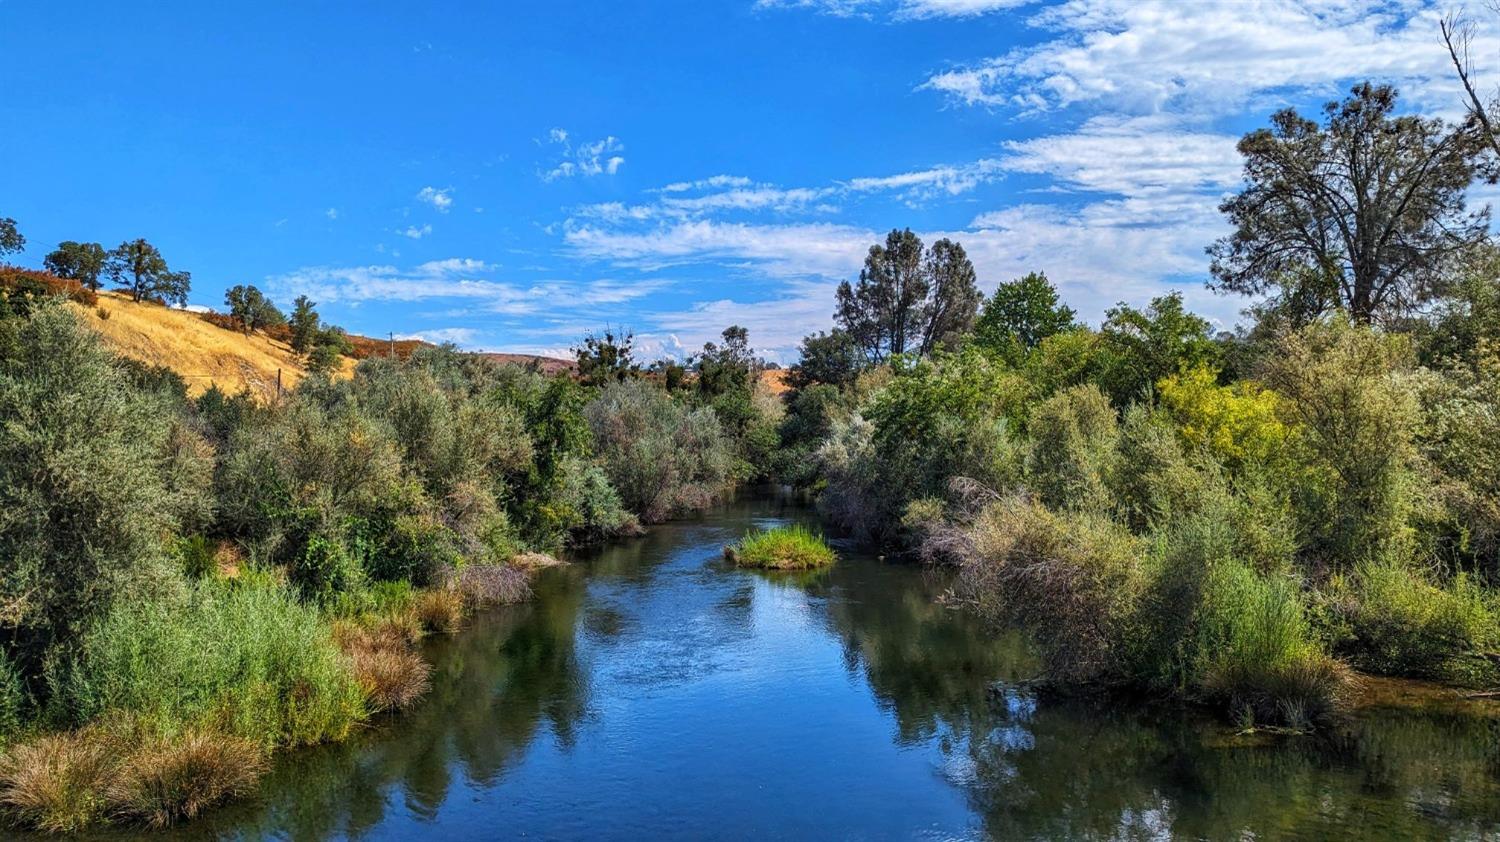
664, 458
92, 476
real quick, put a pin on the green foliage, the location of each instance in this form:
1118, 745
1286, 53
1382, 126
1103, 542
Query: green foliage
662, 457
907, 301
782, 548
1350, 393
11, 240
1020, 315
1362, 213
86, 482
1400, 622
1238, 424
81, 262
1140, 347
250, 307
606, 358
304, 324
1073, 443
141, 267
827, 358
245, 657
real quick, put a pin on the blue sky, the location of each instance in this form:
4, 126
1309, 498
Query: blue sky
511, 175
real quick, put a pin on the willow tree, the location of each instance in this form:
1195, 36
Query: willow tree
1362, 213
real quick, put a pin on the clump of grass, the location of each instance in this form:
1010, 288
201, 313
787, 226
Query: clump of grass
390, 672
56, 782
248, 656
163, 781
493, 584
782, 548
440, 610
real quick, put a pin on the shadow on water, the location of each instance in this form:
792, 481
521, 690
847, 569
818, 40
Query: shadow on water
654, 690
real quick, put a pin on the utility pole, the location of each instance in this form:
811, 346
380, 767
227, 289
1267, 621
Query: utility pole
393, 344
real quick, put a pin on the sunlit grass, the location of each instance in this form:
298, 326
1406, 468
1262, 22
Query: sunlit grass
781, 548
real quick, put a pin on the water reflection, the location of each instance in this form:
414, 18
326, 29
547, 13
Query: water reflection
655, 690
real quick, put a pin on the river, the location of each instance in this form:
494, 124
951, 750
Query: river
652, 691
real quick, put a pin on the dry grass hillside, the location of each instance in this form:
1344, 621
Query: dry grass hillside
203, 353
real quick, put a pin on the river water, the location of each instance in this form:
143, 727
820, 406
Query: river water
652, 691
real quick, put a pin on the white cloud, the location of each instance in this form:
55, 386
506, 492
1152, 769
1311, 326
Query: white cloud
920, 185
811, 249
462, 336
415, 232
899, 9
599, 157
442, 199
1130, 156
1213, 57
332, 213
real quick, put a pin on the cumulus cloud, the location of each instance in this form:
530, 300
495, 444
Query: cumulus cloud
440, 198
415, 232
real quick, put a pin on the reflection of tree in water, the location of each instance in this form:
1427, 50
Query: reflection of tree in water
511, 673
927, 662
1123, 769
1096, 771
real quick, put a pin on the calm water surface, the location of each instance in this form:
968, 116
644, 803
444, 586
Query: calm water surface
654, 692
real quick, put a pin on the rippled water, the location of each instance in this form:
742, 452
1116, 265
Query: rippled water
654, 692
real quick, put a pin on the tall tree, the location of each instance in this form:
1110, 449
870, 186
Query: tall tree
955, 296
1021, 314
11, 241
140, 265
728, 367
304, 323
885, 312
252, 308
908, 300
81, 262
1362, 213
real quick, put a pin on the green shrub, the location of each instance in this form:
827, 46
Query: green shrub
195, 555
85, 496
1404, 624
782, 548
246, 657
662, 457
1071, 580
1350, 393
1073, 440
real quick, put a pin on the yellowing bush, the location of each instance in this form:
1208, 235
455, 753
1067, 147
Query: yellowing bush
1238, 424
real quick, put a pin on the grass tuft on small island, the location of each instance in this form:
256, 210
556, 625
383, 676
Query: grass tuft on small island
781, 548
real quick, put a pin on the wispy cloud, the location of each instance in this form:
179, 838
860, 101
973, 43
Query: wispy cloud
599, 157
415, 232
332, 213
898, 9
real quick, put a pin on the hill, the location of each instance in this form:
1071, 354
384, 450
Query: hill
203, 353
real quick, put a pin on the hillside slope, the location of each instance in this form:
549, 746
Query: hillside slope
204, 354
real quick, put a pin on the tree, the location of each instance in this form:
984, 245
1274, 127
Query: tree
1021, 314
81, 262
907, 300
1142, 347
955, 296
727, 368
11, 241
885, 312
141, 266
606, 358
304, 324
1361, 214
251, 308
830, 358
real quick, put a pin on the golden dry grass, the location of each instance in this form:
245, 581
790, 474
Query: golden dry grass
166, 780
202, 353
56, 782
